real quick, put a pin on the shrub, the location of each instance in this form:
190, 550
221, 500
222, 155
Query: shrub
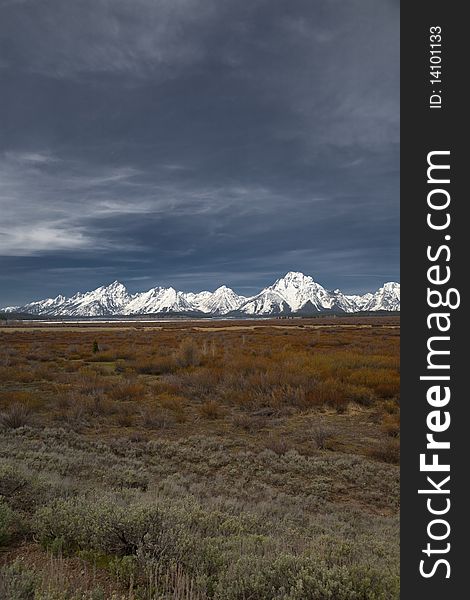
91, 384
248, 423
320, 435
210, 409
289, 577
98, 405
25, 397
329, 393
103, 357
12, 481
17, 582
388, 389
124, 417
384, 382
17, 374
136, 437
124, 569
176, 404
198, 384
391, 425
390, 406
127, 390
25, 491
361, 395
155, 366
171, 401
188, 354
277, 444
154, 418
6, 522
387, 451
18, 415
129, 479
112, 528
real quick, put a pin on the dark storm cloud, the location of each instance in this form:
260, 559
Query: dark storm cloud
197, 142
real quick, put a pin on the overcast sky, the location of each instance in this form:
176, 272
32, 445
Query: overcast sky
197, 142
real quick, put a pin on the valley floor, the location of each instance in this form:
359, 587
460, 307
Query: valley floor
200, 461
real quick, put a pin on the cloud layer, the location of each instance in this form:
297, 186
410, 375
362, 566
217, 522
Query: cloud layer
197, 141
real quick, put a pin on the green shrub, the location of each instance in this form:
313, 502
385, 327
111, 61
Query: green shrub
25, 491
112, 528
289, 577
17, 582
124, 568
6, 522
130, 479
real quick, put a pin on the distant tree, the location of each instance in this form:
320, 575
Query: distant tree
96, 348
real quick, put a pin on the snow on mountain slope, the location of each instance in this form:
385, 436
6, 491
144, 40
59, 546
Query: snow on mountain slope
295, 292
157, 300
105, 300
341, 302
385, 298
40, 307
222, 301
267, 302
297, 289
198, 300
359, 301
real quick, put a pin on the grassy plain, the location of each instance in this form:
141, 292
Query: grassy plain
250, 460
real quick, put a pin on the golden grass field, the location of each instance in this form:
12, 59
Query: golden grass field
230, 460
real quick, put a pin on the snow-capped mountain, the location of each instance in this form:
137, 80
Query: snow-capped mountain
222, 301
293, 293
105, 300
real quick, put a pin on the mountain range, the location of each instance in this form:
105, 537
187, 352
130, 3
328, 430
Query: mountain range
295, 293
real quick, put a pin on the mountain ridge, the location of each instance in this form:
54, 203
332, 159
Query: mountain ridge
294, 293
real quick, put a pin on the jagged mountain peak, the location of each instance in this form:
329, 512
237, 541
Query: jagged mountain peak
295, 275
392, 286
294, 278
115, 285
296, 289
222, 301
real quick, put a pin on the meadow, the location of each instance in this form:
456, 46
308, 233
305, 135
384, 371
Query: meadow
230, 460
